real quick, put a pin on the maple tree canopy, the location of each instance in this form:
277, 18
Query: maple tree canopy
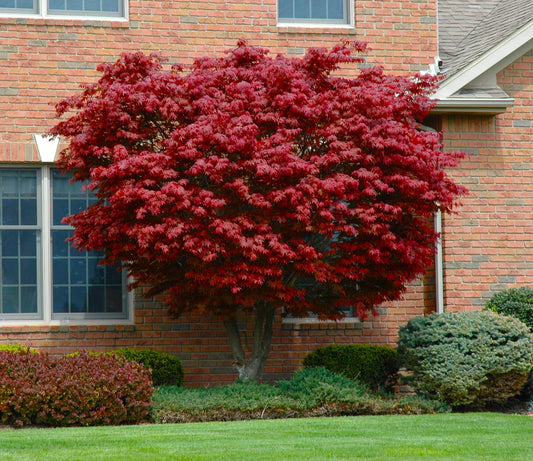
250, 177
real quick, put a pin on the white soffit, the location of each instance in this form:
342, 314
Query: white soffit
497, 58
46, 147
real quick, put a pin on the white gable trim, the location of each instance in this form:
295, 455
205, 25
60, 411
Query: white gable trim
494, 60
47, 147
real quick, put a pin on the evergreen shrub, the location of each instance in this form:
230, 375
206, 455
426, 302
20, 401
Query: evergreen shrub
77, 390
516, 302
375, 366
468, 358
166, 369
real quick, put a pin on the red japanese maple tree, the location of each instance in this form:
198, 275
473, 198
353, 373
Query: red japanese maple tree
251, 183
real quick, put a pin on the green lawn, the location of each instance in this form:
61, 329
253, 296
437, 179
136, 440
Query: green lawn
485, 436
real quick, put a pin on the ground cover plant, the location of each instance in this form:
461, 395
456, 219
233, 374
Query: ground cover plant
79, 389
251, 182
442, 437
311, 392
468, 358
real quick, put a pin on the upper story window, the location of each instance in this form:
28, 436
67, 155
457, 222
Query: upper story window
313, 12
64, 8
42, 277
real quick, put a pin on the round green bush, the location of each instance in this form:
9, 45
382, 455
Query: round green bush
166, 369
467, 359
517, 302
375, 366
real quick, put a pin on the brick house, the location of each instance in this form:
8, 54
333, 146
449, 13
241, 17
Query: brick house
59, 300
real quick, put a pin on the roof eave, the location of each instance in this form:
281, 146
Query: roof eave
487, 106
494, 59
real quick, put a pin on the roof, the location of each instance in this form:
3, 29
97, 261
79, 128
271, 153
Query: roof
468, 29
476, 39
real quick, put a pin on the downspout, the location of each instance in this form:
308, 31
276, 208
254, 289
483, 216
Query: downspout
439, 277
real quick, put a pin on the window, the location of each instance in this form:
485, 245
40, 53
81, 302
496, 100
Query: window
53, 281
71, 8
312, 12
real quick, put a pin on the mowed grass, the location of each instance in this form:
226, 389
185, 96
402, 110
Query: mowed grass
471, 436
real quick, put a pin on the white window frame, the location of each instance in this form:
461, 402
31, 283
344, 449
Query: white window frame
312, 23
44, 310
42, 12
314, 319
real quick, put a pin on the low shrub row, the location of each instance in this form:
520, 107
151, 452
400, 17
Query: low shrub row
78, 390
311, 392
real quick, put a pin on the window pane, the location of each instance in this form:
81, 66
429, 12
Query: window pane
285, 9
78, 205
335, 9
60, 210
92, 5
10, 300
78, 299
28, 272
61, 303
318, 9
60, 271
10, 271
10, 212
29, 300
301, 9
95, 272
114, 277
77, 271
74, 5
114, 299
110, 5
10, 242
28, 243
60, 246
28, 212
25, 4
97, 299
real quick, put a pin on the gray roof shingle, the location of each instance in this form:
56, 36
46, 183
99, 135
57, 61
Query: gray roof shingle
467, 29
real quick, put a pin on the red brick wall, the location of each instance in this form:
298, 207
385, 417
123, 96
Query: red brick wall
44, 60
488, 244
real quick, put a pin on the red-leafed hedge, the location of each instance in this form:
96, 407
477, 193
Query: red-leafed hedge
79, 390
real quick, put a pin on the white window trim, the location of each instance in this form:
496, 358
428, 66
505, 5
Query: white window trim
314, 320
309, 24
43, 14
45, 297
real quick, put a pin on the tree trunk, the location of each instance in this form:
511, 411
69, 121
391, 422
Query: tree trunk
263, 321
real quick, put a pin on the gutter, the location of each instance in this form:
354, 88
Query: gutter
473, 105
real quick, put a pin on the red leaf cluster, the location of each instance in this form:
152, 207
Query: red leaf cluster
251, 177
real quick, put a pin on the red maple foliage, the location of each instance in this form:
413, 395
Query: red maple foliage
252, 182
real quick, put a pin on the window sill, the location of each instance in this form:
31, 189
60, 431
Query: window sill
315, 28
59, 323
39, 17
310, 323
